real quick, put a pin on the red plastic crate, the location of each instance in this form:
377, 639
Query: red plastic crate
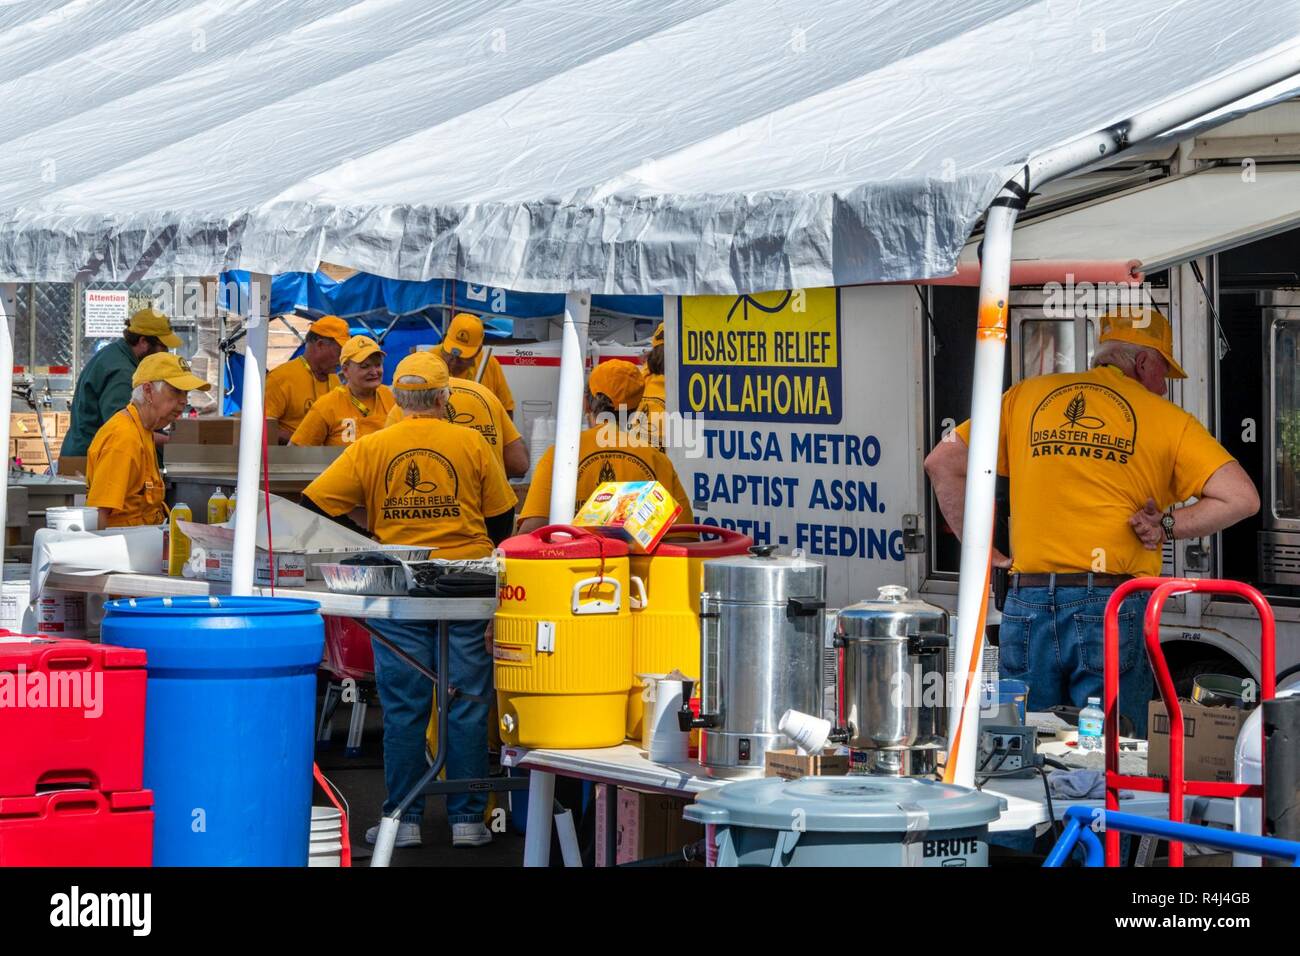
348, 651
93, 738
77, 828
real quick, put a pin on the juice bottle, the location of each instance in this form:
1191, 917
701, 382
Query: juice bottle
178, 550
218, 507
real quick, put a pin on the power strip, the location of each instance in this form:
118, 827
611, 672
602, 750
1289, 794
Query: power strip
1006, 749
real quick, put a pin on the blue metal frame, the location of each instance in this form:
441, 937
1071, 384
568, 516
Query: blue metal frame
1080, 823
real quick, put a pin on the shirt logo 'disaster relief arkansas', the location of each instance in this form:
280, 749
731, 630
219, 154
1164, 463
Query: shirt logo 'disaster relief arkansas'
480, 419
1084, 420
420, 484
608, 458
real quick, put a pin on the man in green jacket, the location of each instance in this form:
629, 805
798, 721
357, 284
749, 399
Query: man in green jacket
104, 388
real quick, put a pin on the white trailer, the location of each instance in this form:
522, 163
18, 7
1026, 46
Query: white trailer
822, 450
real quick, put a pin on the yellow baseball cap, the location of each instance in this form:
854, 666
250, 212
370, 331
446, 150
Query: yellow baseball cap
464, 336
170, 368
360, 348
331, 327
426, 366
658, 337
154, 323
620, 380
1146, 327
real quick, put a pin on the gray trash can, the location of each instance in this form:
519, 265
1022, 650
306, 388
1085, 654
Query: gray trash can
847, 821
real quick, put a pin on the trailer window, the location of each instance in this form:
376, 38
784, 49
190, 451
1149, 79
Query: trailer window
1286, 397
1047, 346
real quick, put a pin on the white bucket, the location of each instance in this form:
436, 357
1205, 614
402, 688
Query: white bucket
326, 846
72, 519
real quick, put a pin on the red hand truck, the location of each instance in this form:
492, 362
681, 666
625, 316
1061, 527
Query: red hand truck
1162, 589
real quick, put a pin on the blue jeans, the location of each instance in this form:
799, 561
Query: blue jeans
1052, 640
406, 696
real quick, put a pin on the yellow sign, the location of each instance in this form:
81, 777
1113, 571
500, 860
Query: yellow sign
771, 356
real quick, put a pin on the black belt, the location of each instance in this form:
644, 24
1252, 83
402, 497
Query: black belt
1069, 580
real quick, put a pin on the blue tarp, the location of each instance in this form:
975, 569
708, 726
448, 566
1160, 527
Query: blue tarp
364, 295
378, 301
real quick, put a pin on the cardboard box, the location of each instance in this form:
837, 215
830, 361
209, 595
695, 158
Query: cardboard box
31, 451
72, 465
62, 422
791, 765
28, 424
649, 825
290, 568
1209, 740
638, 512
215, 431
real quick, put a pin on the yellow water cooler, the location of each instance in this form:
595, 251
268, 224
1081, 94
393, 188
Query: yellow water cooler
562, 640
666, 587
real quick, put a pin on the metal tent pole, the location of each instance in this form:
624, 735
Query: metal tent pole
8, 314
250, 434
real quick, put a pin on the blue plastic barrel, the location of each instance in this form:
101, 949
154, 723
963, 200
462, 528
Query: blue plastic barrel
229, 724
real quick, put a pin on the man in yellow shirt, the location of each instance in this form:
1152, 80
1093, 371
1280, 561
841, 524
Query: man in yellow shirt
292, 388
606, 450
653, 405
473, 405
1095, 458
357, 407
428, 483
122, 476
462, 349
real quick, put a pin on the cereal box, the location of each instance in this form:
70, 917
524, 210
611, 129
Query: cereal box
639, 512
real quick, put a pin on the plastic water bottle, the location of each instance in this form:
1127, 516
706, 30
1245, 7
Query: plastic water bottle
1091, 719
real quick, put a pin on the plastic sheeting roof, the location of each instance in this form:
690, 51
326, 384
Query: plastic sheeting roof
619, 146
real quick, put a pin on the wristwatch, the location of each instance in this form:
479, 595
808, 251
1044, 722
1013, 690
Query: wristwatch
1167, 522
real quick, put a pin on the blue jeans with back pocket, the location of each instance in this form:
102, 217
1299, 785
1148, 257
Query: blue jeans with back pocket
1051, 638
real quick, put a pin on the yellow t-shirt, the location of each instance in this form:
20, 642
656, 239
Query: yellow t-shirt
292, 389
630, 461
122, 472
652, 407
474, 405
340, 419
423, 482
494, 379
1084, 451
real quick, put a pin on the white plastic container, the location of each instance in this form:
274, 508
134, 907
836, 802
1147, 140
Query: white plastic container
1248, 767
326, 846
72, 519
57, 613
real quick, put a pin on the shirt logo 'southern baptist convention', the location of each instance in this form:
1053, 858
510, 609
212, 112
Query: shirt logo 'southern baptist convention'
1084, 420
420, 484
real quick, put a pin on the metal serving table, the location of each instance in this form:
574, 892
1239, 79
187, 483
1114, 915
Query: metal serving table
628, 766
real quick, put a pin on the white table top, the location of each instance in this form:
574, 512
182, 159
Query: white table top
341, 605
628, 766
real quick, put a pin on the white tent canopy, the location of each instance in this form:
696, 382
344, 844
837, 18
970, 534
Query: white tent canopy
620, 146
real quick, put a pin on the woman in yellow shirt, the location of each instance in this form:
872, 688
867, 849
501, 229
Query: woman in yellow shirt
354, 409
122, 475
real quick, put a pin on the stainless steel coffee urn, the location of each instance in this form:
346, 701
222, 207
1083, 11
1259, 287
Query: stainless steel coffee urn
762, 624
894, 693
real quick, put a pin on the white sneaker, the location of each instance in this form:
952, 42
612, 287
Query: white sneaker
470, 834
408, 834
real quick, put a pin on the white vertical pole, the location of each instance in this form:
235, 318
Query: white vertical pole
981, 478
564, 488
568, 405
8, 314
250, 434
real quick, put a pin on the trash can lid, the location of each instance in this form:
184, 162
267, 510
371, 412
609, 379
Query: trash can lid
854, 804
